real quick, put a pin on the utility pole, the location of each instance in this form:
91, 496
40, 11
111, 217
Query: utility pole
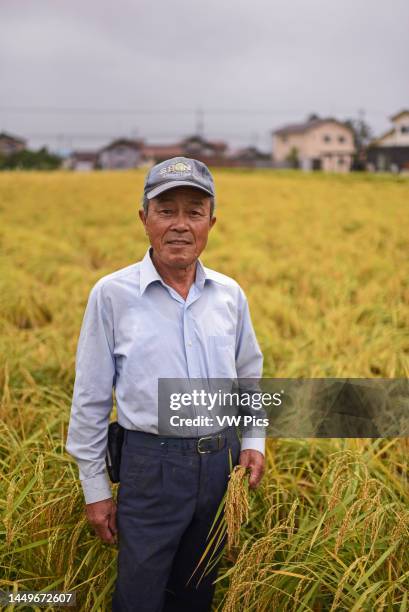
254, 139
200, 122
363, 129
361, 114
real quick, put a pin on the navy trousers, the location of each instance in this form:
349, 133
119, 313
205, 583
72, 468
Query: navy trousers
167, 500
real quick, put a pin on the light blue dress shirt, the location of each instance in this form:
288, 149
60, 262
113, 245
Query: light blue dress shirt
136, 329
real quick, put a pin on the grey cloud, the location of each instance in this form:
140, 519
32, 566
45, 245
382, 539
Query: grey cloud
290, 57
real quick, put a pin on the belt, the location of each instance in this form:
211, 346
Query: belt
201, 445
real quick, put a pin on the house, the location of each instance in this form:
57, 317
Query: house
127, 153
154, 154
210, 152
391, 150
82, 161
251, 157
196, 146
11, 144
316, 144
120, 154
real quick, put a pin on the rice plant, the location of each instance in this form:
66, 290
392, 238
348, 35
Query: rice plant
323, 261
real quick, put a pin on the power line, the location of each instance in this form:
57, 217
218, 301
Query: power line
165, 111
150, 135
88, 110
199, 122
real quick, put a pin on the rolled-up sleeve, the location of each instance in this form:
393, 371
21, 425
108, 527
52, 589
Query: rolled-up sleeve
92, 399
249, 363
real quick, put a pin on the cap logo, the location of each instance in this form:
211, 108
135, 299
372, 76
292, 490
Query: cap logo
179, 168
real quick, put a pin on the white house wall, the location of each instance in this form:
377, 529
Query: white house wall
120, 158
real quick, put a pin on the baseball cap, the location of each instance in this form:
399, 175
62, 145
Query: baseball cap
178, 172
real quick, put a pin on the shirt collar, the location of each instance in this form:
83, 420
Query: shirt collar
149, 274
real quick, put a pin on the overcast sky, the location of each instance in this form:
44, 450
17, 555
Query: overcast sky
75, 73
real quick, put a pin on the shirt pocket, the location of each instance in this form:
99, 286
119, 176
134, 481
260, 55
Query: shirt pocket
222, 356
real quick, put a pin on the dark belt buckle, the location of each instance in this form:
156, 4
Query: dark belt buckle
204, 452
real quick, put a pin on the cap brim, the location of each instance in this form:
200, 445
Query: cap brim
166, 186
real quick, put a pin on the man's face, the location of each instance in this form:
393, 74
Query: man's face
178, 223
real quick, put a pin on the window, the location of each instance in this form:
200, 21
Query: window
341, 138
327, 138
404, 129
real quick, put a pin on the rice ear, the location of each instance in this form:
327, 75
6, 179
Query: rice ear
232, 512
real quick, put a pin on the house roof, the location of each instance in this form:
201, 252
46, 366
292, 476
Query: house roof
90, 156
405, 111
250, 153
180, 148
168, 151
217, 145
6, 136
376, 141
305, 126
123, 142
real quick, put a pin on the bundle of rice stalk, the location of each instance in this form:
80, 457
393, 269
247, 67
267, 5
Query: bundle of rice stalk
231, 514
237, 505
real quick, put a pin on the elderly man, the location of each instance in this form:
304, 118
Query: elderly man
165, 317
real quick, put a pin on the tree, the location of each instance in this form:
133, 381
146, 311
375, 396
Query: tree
293, 158
363, 134
30, 160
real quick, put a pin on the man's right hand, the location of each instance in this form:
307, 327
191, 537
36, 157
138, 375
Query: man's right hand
102, 516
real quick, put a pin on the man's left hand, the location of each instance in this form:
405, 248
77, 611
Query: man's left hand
254, 460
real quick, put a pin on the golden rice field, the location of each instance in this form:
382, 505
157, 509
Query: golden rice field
324, 263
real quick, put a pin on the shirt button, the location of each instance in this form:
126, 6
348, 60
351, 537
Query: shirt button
189, 344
